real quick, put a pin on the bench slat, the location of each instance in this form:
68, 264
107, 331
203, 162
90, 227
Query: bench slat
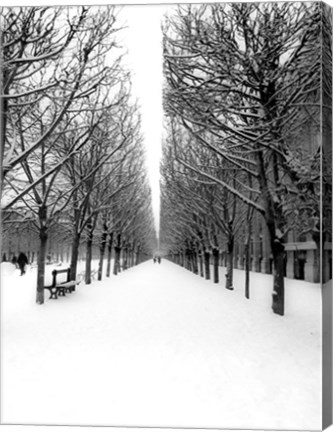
67, 284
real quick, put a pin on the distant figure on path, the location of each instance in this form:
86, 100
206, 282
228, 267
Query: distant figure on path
22, 261
159, 260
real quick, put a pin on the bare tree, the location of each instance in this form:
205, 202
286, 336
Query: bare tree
32, 40
248, 75
65, 126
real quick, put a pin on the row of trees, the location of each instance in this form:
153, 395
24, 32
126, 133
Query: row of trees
245, 91
72, 159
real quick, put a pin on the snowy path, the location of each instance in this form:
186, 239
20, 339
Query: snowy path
158, 346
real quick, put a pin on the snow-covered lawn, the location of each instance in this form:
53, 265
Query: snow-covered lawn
159, 346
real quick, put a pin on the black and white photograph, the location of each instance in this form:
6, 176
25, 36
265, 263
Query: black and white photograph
166, 215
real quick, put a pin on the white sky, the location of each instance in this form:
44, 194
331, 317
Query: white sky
143, 39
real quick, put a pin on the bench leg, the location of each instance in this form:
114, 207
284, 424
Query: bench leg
54, 294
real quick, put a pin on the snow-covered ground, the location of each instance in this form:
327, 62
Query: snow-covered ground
159, 346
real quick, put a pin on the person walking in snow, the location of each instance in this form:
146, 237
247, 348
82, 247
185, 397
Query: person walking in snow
22, 261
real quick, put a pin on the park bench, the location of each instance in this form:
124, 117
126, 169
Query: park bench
61, 288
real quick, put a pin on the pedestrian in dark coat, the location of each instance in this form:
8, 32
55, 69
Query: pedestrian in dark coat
22, 261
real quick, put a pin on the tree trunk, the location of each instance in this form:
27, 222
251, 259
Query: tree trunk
230, 267
125, 257
133, 255
207, 265
129, 257
117, 249
116, 263
108, 267
201, 264
188, 263
3, 122
216, 264
278, 252
247, 267
275, 221
41, 265
247, 253
74, 255
101, 253
195, 262
137, 257
181, 259
89, 255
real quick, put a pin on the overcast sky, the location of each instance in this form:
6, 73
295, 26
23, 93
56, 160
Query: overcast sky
143, 39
